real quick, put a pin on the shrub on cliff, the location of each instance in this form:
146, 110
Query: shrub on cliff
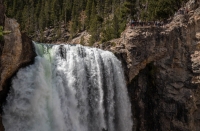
91, 15
97, 17
159, 9
1, 33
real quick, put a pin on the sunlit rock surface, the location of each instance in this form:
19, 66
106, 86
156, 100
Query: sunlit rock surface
162, 72
15, 51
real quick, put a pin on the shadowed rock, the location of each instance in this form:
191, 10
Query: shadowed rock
16, 51
162, 70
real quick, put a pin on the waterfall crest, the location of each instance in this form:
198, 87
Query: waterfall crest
69, 88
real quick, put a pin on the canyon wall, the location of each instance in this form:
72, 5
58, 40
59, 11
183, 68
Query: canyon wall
162, 70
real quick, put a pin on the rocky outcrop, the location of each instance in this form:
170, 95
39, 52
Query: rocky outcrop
60, 35
16, 51
52, 34
162, 69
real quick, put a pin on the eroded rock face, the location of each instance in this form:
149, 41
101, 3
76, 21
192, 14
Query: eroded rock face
162, 69
16, 51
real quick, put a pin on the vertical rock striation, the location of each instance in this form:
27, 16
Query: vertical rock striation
162, 70
2, 11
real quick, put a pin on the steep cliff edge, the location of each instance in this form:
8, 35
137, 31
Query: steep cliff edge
16, 51
162, 70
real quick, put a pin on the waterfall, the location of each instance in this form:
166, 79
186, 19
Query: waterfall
69, 88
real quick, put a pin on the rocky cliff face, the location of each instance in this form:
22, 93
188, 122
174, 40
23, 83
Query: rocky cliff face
16, 51
162, 70
1, 43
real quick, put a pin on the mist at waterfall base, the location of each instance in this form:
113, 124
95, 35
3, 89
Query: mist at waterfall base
69, 88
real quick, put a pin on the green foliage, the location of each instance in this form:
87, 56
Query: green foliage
36, 15
159, 9
1, 33
94, 24
82, 40
88, 12
1, 29
113, 44
104, 19
116, 27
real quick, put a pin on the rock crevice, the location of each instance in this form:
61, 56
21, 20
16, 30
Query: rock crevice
161, 65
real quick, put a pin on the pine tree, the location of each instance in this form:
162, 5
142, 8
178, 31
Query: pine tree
115, 33
99, 17
107, 31
88, 13
100, 8
1, 33
74, 26
94, 24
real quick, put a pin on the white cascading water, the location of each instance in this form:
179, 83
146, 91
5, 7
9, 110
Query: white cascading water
69, 88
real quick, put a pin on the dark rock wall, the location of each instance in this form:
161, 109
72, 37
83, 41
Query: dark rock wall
163, 92
162, 68
143, 94
176, 91
2, 19
2, 11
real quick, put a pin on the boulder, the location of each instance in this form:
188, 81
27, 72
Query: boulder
16, 51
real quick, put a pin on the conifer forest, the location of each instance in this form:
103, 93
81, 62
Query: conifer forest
103, 19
